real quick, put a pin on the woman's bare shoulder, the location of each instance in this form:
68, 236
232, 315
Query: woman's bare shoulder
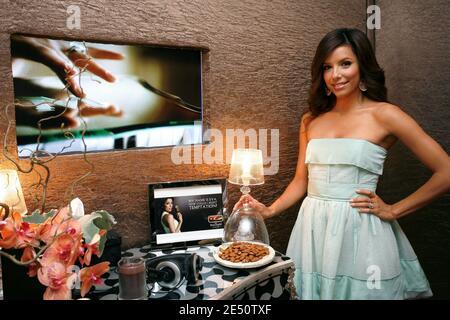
398, 123
307, 116
386, 109
166, 215
305, 121
387, 113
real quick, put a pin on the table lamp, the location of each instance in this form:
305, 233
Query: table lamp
11, 196
246, 223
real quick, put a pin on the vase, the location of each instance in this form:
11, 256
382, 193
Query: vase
17, 285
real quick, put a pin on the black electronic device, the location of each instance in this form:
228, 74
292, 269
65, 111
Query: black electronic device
170, 270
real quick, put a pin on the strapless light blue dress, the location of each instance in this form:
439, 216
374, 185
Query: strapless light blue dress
340, 253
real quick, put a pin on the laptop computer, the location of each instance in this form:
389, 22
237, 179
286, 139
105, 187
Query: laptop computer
187, 213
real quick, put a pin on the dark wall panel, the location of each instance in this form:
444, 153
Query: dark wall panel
413, 47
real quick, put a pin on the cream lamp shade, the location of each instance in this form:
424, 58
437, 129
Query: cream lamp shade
11, 191
246, 167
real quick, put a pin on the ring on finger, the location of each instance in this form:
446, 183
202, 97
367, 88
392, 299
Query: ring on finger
78, 47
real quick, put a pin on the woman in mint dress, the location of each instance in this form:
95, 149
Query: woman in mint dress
168, 221
346, 242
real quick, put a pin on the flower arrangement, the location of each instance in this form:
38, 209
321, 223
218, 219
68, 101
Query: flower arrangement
57, 245
53, 243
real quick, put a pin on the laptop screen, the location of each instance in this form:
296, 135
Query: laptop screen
188, 211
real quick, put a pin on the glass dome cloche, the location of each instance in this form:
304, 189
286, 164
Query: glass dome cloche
246, 223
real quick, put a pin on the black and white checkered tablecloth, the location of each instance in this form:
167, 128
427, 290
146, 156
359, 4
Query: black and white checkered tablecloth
215, 281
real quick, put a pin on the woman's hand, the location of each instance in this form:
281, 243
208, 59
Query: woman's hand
252, 202
180, 217
65, 62
373, 205
63, 59
54, 116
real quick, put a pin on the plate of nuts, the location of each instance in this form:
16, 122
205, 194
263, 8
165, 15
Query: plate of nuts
244, 254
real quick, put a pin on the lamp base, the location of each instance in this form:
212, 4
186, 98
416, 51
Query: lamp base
245, 189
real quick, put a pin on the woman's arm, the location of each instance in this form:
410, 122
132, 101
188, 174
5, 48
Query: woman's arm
427, 150
180, 221
296, 188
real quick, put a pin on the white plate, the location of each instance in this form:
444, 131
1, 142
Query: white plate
244, 265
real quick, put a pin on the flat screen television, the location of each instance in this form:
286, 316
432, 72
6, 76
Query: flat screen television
128, 96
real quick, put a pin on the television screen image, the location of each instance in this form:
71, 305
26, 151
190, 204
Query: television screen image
129, 96
185, 212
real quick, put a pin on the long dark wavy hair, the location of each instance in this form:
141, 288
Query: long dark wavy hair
163, 207
370, 72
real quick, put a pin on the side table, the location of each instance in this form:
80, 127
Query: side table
216, 282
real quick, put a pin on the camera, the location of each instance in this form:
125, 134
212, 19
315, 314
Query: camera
170, 270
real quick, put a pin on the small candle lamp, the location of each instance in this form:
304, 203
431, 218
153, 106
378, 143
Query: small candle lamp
246, 223
11, 196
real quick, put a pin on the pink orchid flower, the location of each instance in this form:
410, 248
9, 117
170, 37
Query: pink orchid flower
58, 281
64, 250
92, 248
16, 233
92, 275
60, 223
27, 235
8, 236
30, 254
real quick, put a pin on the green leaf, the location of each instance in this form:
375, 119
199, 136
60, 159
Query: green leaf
101, 245
92, 223
88, 226
89, 232
106, 221
36, 217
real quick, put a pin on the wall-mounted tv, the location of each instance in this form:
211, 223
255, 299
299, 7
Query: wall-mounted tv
113, 96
